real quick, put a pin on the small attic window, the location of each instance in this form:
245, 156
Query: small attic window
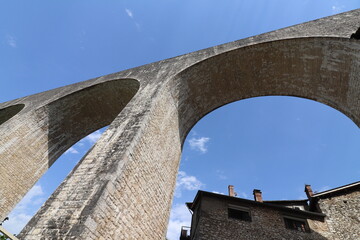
239, 213
297, 224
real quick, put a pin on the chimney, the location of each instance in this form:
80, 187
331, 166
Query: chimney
184, 234
231, 191
308, 191
257, 195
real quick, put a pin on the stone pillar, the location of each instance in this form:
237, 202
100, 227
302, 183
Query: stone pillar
122, 188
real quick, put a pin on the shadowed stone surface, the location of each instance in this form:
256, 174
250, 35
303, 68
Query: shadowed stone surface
123, 187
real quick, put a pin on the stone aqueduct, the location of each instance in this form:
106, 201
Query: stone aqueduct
123, 187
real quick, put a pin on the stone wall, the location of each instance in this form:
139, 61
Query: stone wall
266, 224
343, 215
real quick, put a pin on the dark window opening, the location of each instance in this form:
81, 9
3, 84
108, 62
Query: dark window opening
296, 224
239, 214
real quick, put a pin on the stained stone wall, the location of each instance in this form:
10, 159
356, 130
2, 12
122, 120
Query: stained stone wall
122, 188
266, 224
343, 215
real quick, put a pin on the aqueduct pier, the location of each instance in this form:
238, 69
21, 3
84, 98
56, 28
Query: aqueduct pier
123, 187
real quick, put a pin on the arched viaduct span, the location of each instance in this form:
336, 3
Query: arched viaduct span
123, 187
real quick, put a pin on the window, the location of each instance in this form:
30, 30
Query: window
296, 224
239, 213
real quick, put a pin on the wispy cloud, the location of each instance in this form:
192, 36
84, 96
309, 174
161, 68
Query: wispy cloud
186, 182
11, 41
221, 175
89, 139
322, 189
237, 194
179, 216
93, 137
33, 197
242, 195
138, 26
218, 192
129, 13
199, 144
337, 8
25, 209
72, 150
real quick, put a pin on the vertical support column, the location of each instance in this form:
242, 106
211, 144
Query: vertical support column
36, 132
123, 188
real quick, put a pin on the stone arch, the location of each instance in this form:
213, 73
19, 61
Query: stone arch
40, 135
122, 189
76, 115
136, 168
321, 69
9, 112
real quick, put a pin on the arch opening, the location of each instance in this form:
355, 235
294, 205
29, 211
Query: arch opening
76, 115
325, 70
56, 126
274, 143
9, 112
49, 182
321, 69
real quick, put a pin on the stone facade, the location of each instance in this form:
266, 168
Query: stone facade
211, 221
332, 215
116, 189
342, 215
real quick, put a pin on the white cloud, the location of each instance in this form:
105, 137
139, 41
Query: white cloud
138, 26
185, 182
199, 144
11, 41
129, 13
25, 209
221, 175
72, 150
93, 137
242, 195
29, 199
324, 188
90, 139
218, 192
337, 8
179, 216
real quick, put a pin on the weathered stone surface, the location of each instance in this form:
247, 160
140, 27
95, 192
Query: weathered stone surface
266, 223
122, 189
343, 216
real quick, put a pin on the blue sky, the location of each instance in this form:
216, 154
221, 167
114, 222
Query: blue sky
276, 144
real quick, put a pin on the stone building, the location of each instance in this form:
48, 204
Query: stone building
332, 214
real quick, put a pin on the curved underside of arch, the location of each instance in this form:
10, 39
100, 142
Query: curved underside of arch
74, 116
141, 166
9, 112
35, 139
326, 70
